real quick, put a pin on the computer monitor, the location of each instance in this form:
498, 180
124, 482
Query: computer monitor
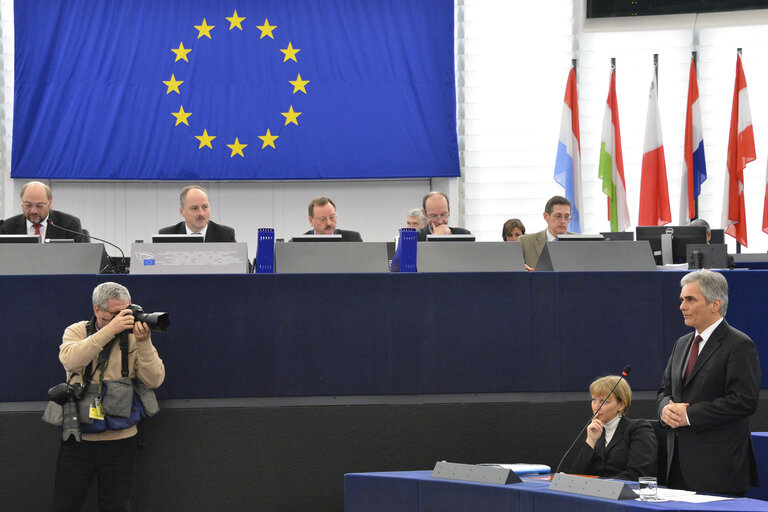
578, 237
451, 238
681, 237
177, 239
615, 236
317, 238
718, 236
19, 239
707, 256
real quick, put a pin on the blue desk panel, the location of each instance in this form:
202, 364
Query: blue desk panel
376, 334
417, 491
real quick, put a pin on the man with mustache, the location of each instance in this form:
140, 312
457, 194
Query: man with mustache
196, 211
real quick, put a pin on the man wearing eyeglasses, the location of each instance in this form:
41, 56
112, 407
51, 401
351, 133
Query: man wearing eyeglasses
36, 201
557, 213
322, 218
437, 210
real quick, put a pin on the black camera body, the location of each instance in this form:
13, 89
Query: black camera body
156, 321
67, 395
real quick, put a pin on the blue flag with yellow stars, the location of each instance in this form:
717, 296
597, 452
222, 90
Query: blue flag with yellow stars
234, 89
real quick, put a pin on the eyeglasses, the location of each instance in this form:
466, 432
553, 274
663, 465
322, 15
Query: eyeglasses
560, 216
442, 216
331, 218
111, 314
39, 206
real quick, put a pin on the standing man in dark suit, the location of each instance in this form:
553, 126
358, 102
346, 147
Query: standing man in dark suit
709, 390
39, 219
322, 218
437, 210
196, 211
557, 213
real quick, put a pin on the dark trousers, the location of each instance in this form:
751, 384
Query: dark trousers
676, 478
113, 463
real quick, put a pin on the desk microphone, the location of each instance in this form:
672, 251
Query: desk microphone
624, 373
122, 254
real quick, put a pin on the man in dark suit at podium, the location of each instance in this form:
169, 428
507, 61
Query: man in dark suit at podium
557, 213
196, 211
39, 219
437, 210
322, 218
710, 388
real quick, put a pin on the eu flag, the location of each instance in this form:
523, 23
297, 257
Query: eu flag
228, 89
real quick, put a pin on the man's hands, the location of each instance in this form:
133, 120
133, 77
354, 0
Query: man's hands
442, 229
674, 414
124, 321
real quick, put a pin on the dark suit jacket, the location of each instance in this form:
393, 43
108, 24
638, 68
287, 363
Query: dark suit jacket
423, 232
715, 452
630, 454
346, 235
17, 225
215, 232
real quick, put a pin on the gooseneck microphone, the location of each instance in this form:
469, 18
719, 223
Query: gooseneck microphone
623, 375
117, 268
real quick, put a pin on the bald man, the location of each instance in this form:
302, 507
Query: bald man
196, 210
39, 219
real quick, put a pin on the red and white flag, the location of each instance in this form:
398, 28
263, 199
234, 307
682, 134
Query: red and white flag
741, 151
654, 192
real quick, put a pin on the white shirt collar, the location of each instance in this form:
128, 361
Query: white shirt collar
550, 236
706, 333
190, 232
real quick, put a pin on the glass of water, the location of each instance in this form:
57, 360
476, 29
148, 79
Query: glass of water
648, 488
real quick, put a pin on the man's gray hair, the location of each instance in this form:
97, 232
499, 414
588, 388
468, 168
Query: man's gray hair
416, 212
713, 286
109, 290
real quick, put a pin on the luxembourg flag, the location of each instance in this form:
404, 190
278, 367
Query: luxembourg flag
741, 151
611, 167
568, 161
654, 192
694, 164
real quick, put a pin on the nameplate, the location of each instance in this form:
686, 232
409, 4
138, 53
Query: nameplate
474, 473
609, 489
183, 258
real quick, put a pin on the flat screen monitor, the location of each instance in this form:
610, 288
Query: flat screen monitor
681, 237
59, 240
19, 239
707, 256
577, 237
316, 238
718, 236
614, 236
451, 238
177, 239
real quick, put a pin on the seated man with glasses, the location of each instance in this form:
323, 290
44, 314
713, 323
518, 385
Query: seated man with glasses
557, 213
39, 219
322, 218
437, 210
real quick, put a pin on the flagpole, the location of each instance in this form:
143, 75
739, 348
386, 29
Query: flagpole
738, 244
575, 73
696, 198
656, 70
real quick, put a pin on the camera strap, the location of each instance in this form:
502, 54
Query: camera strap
103, 360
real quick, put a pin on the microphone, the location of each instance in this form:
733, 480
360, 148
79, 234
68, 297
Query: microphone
116, 268
623, 376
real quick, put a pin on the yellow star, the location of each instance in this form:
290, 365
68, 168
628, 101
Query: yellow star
290, 53
269, 140
181, 52
237, 148
235, 21
266, 29
181, 116
298, 84
205, 139
173, 84
290, 116
204, 30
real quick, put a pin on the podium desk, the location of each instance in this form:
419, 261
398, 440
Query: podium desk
417, 491
760, 442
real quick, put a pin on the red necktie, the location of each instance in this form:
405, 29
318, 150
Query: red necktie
37, 229
692, 356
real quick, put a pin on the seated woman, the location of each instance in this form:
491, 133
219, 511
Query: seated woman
512, 230
615, 447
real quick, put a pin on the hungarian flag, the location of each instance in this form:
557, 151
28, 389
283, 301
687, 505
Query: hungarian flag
611, 168
741, 151
694, 165
654, 193
568, 161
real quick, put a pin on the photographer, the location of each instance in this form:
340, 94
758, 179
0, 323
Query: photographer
110, 355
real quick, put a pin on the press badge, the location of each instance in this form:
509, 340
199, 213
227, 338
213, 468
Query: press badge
95, 410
